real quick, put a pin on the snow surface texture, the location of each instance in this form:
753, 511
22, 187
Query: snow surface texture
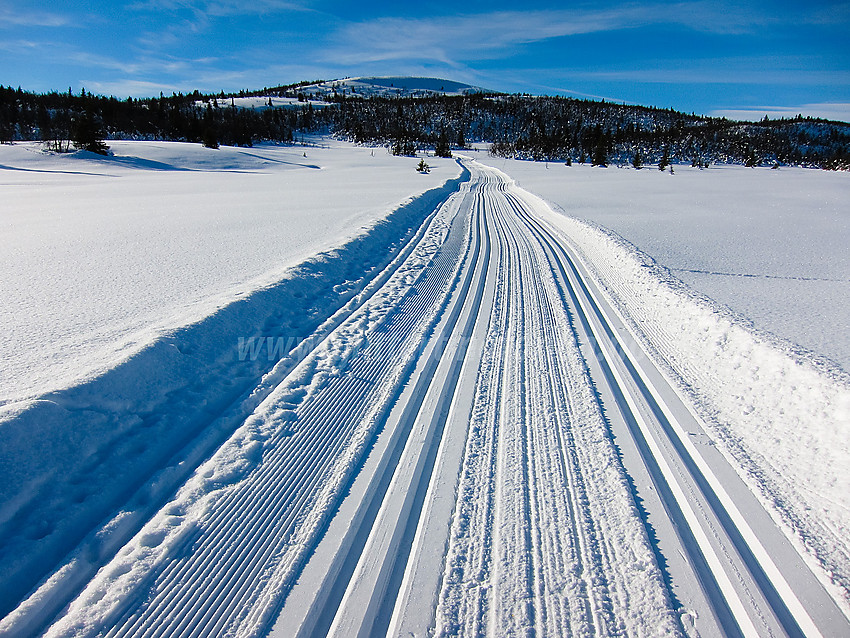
260, 458
99, 256
182, 492
545, 537
67, 458
784, 418
218, 557
769, 244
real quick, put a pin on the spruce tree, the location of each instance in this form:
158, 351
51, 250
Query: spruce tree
442, 148
664, 162
637, 160
461, 139
210, 137
600, 155
88, 134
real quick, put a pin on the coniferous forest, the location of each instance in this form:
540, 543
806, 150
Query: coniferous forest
537, 128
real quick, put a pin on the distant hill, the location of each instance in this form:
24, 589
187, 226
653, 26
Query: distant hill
320, 93
390, 86
403, 86
365, 87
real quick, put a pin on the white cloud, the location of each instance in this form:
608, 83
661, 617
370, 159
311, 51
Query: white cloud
222, 8
494, 35
20, 46
166, 67
134, 88
480, 36
719, 72
14, 18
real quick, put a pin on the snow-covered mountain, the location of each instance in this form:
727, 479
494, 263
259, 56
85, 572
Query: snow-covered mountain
316, 93
392, 86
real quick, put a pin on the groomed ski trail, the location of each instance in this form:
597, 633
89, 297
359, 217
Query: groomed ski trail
479, 448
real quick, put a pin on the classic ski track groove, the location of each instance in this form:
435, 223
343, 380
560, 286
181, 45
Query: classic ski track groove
198, 446
769, 602
528, 548
251, 525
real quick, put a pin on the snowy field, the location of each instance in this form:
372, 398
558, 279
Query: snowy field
100, 255
356, 400
772, 245
781, 413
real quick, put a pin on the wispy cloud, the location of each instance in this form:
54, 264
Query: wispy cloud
192, 17
147, 66
479, 36
494, 35
14, 18
222, 8
20, 46
718, 74
134, 88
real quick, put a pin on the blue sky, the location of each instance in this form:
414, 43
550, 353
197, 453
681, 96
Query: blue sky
712, 57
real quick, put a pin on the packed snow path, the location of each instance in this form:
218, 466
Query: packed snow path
478, 448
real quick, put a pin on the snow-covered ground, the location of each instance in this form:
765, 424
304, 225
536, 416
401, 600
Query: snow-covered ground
262, 102
782, 414
772, 245
100, 255
475, 415
188, 281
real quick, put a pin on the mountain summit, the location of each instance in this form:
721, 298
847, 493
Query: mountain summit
392, 86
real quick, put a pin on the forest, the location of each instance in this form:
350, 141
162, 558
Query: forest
530, 127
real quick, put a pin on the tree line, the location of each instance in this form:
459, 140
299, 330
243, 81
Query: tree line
60, 119
521, 126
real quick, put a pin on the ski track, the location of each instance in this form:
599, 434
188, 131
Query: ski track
542, 565
449, 460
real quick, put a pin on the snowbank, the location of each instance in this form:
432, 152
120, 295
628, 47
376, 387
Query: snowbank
101, 256
68, 457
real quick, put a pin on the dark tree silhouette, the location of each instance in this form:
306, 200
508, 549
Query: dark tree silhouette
88, 134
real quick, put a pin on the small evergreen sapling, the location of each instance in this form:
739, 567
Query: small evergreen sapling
637, 160
664, 162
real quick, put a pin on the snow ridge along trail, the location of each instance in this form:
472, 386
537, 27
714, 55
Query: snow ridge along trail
480, 447
203, 417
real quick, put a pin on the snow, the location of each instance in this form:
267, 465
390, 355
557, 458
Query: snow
72, 457
316, 93
372, 412
781, 415
100, 256
769, 244
262, 102
390, 86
